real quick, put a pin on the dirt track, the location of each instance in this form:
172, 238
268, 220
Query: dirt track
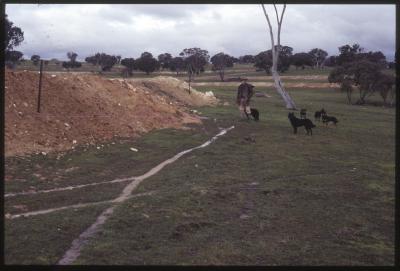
73, 253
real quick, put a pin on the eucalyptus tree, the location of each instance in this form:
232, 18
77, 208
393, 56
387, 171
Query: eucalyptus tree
276, 48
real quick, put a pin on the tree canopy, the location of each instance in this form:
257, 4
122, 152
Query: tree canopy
72, 63
35, 59
317, 57
220, 62
165, 60
129, 64
263, 60
195, 59
13, 35
246, 59
147, 63
177, 64
301, 60
362, 70
104, 61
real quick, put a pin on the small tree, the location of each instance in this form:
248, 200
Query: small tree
72, 56
147, 63
129, 64
165, 60
301, 60
72, 63
35, 59
177, 64
220, 62
318, 56
364, 75
264, 60
195, 59
104, 61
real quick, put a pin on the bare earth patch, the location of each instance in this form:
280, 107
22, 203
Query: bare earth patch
85, 109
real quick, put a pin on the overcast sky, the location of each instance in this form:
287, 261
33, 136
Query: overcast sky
129, 30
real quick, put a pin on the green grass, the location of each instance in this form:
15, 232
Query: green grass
285, 199
42, 239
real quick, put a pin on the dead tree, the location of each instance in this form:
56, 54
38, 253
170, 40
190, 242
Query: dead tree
275, 57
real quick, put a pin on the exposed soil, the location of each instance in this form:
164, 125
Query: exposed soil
87, 109
177, 89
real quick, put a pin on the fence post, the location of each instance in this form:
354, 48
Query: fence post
40, 85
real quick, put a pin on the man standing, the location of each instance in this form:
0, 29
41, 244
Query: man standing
244, 94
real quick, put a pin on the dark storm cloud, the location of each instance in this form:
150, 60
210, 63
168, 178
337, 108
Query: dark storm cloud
129, 30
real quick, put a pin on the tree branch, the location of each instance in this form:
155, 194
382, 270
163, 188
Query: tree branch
280, 24
276, 13
271, 34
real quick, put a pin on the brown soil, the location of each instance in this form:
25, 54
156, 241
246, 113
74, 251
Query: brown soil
177, 89
78, 109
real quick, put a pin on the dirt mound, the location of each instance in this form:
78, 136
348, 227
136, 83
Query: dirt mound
77, 109
177, 89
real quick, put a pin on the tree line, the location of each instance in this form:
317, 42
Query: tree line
353, 68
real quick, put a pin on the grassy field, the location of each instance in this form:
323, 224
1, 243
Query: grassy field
276, 199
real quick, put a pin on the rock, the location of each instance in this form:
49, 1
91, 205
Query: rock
43, 153
74, 141
133, 149
25, 104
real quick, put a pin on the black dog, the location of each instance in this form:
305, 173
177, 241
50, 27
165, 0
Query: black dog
254, 113
300, 122
319, 114
303, 113
326, 119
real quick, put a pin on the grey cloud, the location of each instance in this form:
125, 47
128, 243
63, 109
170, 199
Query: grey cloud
129, 30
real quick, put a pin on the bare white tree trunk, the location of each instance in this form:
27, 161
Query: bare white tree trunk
275, 57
